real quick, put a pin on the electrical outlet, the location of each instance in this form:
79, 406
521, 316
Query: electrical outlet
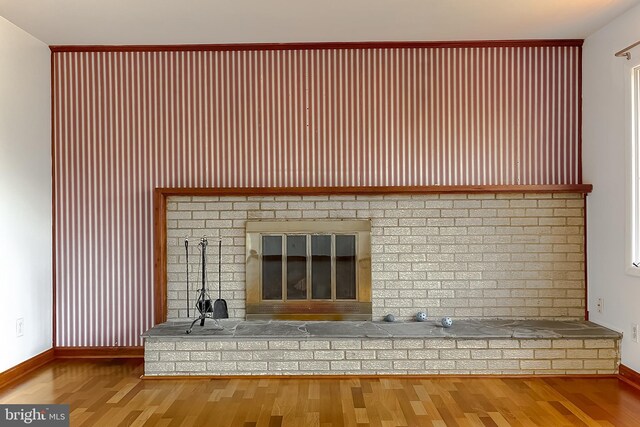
634, 332
600, 305
19, 327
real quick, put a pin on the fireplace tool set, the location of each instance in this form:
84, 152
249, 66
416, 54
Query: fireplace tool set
207, 310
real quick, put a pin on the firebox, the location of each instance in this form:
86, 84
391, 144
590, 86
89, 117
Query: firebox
309, 270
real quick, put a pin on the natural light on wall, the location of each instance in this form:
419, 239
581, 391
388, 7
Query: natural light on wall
633, 261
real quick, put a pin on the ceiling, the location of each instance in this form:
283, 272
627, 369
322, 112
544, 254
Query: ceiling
104, 22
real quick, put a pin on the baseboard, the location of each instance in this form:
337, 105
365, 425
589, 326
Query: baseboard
13, 374
629, 376
375, 376
99, 352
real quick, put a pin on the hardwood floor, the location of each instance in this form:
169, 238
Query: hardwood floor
111, 393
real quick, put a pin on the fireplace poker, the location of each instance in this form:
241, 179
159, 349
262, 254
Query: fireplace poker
186, 248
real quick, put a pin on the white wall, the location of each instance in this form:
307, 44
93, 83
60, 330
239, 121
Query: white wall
604, 161
25, 196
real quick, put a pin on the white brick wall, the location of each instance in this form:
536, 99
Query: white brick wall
382, 356
459, 255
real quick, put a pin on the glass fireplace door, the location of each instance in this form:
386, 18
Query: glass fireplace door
321, 273
316, 267
296, 270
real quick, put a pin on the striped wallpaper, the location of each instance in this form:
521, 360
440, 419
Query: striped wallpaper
126, 122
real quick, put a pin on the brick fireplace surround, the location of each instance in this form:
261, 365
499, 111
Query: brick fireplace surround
477, 254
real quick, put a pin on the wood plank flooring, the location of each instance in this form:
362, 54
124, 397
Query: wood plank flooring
111, 393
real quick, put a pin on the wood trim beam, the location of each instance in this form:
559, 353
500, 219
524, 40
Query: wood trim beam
99, 352
586, 259
315, 46
11, 375
160, 219
629, 376
430, 189
54, 215
160, 256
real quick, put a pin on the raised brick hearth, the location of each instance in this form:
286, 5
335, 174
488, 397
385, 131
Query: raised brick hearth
508, 267
362, 348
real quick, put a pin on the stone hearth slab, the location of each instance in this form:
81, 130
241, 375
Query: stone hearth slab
461, 329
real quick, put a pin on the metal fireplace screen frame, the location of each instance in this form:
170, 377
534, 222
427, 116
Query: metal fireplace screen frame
333, 307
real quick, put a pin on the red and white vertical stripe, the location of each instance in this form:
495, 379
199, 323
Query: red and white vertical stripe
127, 122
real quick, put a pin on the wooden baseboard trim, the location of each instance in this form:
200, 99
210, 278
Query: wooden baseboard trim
11, 375
99, 352
629, 376
369, 376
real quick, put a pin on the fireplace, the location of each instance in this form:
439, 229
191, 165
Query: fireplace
308, 270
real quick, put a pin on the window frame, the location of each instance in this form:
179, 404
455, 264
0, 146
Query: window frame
632, 98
